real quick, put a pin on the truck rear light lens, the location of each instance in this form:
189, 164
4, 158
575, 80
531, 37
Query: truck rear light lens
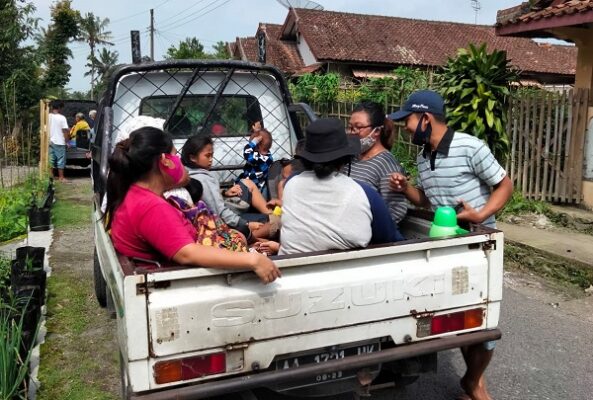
457, 321
189, 368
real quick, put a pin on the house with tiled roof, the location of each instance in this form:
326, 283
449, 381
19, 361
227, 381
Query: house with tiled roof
362, 46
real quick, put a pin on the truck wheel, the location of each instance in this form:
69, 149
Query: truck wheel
100, 284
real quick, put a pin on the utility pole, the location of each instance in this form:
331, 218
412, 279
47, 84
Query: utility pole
477, 7
152, 34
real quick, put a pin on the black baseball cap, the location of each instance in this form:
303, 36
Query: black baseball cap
421, 101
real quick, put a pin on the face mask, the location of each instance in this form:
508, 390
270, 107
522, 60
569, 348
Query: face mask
421, 137
367, 142
175, 171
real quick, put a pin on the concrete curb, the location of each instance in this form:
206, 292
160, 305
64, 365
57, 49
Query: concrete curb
573, 247
35, 239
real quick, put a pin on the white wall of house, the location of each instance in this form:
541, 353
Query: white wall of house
305, 51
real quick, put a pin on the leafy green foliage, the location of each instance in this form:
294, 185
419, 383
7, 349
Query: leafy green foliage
389, 90
221, 51
64, 27
19, 63
325, 88
406, 158
313, 88
518, 204
186, 49
191, 48
102, 65
475, 86
14, 203
12, 366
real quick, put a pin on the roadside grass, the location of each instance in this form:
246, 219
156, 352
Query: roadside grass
518, 204
557, 269
68, 210
79, 360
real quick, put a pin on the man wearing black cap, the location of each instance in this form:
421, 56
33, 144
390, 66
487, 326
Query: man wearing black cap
454, 169
323, 209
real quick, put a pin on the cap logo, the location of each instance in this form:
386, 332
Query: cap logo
422, 106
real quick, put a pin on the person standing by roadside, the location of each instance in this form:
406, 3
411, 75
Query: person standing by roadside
454, 168
58, 138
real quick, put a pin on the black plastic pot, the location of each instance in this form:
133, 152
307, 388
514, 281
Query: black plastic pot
39, 219
27, 305
27, 273
29, 254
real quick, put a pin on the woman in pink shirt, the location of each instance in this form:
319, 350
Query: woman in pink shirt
144, 225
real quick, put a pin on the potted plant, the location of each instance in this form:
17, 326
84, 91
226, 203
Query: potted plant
14, 353
39, 216
27, 273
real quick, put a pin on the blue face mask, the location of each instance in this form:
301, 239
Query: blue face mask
421, 137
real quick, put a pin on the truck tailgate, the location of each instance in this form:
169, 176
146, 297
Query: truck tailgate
330, 291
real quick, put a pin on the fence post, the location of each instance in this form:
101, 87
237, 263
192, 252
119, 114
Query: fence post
43, 138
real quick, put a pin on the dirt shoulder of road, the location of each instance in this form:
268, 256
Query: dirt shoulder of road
79, 358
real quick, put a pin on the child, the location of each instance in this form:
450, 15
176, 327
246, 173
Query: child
210, 229
257, 158
197, 155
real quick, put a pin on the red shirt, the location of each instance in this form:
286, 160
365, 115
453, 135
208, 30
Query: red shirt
146, 226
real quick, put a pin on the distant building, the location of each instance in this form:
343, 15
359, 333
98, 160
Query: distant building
364, 46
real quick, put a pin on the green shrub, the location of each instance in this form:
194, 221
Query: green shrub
520, 205
475, 86
14, 204
13, 367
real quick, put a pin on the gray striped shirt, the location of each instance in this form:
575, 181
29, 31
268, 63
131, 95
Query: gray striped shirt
376, 172
465, 171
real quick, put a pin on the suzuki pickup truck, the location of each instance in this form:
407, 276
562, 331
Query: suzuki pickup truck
336, 322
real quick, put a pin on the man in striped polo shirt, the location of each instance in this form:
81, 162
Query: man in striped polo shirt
454, 168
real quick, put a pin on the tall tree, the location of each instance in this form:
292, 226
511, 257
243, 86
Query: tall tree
188, 48
221, 51
103, 65
19, 64
93, 31
63, 28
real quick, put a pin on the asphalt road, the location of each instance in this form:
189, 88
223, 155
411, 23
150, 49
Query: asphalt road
545, 352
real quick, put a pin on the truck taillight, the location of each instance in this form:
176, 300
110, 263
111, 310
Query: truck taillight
457, 321
189, 368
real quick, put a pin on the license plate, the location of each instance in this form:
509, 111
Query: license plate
322, 357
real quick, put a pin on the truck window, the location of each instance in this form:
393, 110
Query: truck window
232, 116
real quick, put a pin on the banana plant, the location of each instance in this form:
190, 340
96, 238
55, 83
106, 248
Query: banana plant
475, 85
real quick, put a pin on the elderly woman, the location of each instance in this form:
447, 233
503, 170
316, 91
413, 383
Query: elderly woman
144, 225
375, 164
323, 209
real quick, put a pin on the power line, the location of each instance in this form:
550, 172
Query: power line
173, 37
190, 18
182, 11
139, 13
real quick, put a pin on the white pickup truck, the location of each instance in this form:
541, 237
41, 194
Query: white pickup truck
337, 321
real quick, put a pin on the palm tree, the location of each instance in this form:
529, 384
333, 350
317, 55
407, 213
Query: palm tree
93, 32
102, 65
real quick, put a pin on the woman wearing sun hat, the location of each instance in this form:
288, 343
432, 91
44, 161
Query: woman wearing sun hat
323, 209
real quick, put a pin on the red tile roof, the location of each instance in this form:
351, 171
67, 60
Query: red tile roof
280, 53
380, 40
542, 9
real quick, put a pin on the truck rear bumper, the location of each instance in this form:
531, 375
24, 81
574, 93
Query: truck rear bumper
266, 378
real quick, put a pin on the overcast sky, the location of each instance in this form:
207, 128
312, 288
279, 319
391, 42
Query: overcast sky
214, 20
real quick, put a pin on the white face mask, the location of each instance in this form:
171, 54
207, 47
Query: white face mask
367, 142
